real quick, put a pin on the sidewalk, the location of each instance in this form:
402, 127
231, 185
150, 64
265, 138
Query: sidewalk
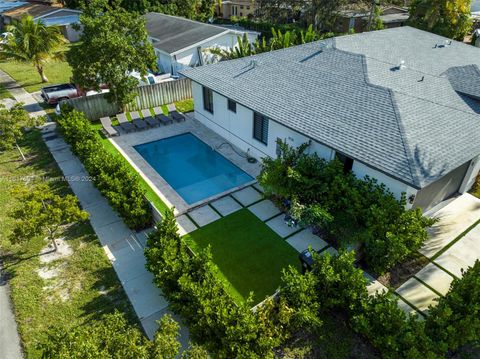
30, 104
123, 247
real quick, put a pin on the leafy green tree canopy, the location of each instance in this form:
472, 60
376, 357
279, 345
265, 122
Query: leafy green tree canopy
12, 122
113, 44
43, 211
450, 18
34, 42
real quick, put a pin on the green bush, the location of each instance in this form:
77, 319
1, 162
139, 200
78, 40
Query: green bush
197, 294
110, 175
345, 208
389, 330
455, 321
113, 337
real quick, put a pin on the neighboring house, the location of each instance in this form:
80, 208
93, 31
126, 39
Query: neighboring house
357, 21
50, 15
399, 105
238, 8
181, 43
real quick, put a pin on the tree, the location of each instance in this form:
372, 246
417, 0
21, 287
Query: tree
450, 18
455, 321
44, 211
12, 123
114, 43
323, 13
34, 42
113, 337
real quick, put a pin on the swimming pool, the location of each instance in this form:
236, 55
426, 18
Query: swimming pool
191, 167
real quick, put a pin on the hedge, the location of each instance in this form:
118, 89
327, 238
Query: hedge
110, 175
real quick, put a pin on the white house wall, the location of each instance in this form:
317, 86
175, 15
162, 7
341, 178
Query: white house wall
471, 175
237, 128
189, 57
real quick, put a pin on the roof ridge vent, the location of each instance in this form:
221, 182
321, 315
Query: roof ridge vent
402, 65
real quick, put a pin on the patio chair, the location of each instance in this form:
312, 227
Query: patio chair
172, 111
107, 127
161, 117
126, 125
137, 121
147, 117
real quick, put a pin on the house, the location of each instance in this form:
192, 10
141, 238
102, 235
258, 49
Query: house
181, 43
399, 105
238, 8
50, 15
357, 20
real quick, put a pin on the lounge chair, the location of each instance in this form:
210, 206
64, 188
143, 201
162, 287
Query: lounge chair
137, 121
147, 117
161, 117
172, 111
107, 127
126, 125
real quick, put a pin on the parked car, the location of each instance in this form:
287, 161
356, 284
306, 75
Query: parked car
58, 110
56, 93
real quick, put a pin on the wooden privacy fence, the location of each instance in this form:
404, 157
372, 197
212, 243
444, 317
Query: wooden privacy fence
97, 106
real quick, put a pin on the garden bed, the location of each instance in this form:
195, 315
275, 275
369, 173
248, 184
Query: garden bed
249, 255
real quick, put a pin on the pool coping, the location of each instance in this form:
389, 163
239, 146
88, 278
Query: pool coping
165, 191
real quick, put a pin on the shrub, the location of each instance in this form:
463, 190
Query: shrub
347, 209
390, 331
195, 292
110, 174
455, 321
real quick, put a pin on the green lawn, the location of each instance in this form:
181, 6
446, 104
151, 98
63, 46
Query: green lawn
85, 286
27, 76
248, 254
4, 93
150, 194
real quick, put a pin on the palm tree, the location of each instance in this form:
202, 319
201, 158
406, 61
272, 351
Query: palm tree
34, 42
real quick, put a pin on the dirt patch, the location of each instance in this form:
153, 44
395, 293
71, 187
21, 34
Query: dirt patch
403, 271
48, 253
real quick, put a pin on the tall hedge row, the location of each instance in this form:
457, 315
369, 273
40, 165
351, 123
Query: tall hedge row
110, 174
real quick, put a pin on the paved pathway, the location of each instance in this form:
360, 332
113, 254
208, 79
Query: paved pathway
124, 248
30, 104
9, 338
453, 245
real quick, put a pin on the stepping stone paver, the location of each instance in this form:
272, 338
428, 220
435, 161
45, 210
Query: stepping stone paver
185, 225
204, 215
70, 168
226, 205
330, 250
452, 263
373, 285
418, 294
302, 240
258, 187
264, 210
247, 196
279, 226
436, 278
103, 214
454, 219
150, 325
406, 307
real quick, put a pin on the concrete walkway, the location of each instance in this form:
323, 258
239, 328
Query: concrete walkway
124, 248
453, 245
20, 95
9, 339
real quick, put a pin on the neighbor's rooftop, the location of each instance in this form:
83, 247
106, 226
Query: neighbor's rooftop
415, 123
173, 33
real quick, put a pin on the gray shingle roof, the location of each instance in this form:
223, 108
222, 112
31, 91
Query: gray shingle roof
349, 94
176, 33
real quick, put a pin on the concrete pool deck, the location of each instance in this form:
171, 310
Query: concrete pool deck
126, 142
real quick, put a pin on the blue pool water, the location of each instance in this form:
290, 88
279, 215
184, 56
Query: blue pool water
191, 167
